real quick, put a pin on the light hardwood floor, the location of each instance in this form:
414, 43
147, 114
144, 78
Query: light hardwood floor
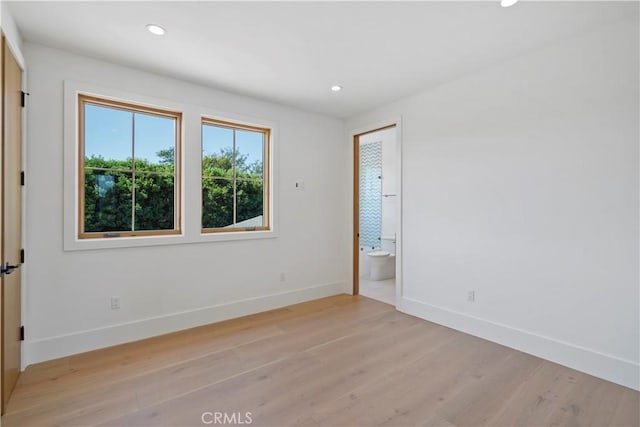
339, 361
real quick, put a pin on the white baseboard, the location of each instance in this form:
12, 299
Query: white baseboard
87, 340
610, 368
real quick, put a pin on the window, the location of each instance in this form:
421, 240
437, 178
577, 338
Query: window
129, 177
235, 177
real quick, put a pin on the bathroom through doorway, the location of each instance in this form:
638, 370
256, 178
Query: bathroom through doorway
376, 213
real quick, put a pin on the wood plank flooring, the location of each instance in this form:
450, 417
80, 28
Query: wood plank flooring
338, 361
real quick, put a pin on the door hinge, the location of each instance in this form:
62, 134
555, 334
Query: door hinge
21, 256
21, 177
23, 98
21, 333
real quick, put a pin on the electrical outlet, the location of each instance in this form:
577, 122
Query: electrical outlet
471, 295
300, 185
115, 303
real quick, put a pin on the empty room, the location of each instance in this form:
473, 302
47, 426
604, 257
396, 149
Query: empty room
320, 213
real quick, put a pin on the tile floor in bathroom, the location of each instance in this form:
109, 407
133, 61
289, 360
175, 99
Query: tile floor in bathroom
382, 290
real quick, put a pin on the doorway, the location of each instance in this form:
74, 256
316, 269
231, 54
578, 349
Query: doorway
11, 228
376, 218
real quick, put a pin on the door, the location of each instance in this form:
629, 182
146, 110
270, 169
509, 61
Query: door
1, 216
12, 221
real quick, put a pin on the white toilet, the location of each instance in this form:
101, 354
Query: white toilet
383, 262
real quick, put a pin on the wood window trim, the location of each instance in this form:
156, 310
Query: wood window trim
266, 174
84, 99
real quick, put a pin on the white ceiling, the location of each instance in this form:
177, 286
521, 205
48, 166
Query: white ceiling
292, 52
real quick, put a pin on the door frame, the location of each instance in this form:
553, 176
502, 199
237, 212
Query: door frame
395, 122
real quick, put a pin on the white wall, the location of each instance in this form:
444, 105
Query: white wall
521, 181
389, 172
164, 288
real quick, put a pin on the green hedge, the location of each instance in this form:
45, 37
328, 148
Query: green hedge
108, 193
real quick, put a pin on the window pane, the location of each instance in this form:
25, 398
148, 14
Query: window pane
249, 199
217, 151
249, 153
154, 202
217, 202
233, 161
155, 143
107, 137
107, 201
130, 168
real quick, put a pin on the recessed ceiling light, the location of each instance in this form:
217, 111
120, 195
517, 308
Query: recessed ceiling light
336, 88
156, 29
508, 3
